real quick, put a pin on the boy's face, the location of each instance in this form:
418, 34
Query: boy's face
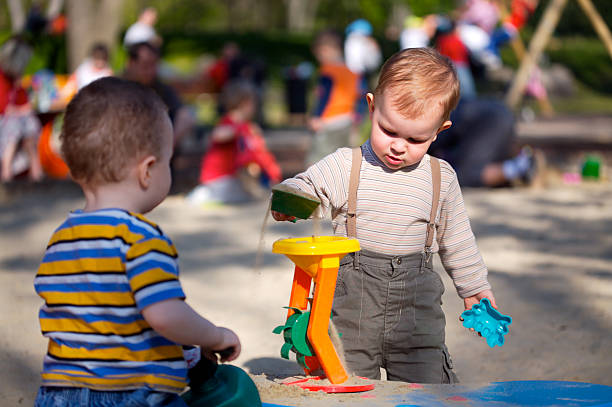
161, 177
397, 141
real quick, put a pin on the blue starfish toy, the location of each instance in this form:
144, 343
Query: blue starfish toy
487, 321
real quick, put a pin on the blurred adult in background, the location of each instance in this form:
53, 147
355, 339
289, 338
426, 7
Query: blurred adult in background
218, 73
143, 30
19, 126
481, 143
142, 65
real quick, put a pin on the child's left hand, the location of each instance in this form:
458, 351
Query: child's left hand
475, 299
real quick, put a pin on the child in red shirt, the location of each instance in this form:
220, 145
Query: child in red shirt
237, 166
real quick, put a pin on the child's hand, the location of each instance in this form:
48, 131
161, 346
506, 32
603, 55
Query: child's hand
475, 299
281, 216
229, 348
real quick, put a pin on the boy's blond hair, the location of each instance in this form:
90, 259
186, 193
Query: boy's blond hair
109, 124
418, 79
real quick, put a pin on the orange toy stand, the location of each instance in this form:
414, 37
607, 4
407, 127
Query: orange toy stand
317, 260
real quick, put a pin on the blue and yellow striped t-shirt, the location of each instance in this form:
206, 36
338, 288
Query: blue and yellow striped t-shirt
100, 270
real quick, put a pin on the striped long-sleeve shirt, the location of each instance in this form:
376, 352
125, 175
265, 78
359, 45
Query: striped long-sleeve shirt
100, 270
393, 208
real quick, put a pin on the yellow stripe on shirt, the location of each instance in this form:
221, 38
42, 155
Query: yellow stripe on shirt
89, 231
82, 298
101, 327
149, 277
146, 246
116, 353
93, 265
174, 386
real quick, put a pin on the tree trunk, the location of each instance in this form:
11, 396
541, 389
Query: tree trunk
17, 15
301, 15
91, 21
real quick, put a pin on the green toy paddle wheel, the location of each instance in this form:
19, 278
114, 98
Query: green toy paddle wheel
295, 335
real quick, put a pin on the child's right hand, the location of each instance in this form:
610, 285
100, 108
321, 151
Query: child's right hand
281, 216
229, 348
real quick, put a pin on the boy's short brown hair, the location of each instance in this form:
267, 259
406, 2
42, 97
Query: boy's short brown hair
110, 123
419, 78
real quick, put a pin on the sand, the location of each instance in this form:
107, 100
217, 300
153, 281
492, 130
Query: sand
549, 253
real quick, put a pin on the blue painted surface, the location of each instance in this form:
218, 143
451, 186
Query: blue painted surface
544, 393
502, 394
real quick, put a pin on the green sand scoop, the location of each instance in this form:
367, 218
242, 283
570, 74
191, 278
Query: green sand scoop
293, 202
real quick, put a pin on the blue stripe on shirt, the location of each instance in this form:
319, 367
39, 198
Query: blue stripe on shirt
76, 254
175, 292
85, 287
90, 318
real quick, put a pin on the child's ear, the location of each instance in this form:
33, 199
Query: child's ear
144, 171
370, 99
444, 126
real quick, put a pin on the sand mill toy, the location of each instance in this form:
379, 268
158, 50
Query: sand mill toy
316, 259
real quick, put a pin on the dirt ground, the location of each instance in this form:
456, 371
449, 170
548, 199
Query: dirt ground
549, 252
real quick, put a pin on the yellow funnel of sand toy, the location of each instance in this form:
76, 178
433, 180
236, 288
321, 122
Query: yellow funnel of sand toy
317, 258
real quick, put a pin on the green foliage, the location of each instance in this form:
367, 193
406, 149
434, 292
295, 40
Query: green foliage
276, 49
423, 7
587, 58
338, 14
585, 101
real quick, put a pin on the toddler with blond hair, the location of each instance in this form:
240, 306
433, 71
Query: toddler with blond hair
403, 205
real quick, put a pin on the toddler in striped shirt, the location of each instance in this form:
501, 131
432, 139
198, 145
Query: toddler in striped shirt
403, 205
114, 310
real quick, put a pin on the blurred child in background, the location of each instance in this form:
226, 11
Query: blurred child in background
94, 67
19, 126
336, 97
237, 166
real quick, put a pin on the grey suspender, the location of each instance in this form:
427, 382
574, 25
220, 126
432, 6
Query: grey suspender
351, 220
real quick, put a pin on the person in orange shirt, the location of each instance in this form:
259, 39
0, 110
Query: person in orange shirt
336, 96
